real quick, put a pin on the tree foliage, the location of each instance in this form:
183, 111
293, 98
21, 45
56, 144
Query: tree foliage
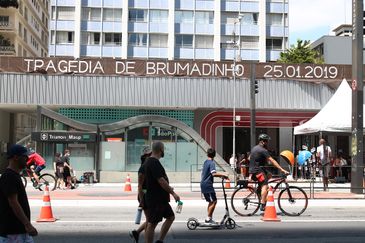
9, 3
301, 53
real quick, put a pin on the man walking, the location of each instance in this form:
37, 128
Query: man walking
324, 154
15, 225
157, 195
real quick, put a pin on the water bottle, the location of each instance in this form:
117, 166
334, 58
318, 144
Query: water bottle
138, 216
179, 206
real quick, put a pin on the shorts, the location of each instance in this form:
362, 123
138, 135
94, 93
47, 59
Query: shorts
262, 178
39, 168
210, 197
21, 238
326, 170
155, 214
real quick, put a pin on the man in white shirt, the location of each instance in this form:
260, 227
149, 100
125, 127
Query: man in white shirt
324, 155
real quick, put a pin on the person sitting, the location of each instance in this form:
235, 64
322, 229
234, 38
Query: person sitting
37, 161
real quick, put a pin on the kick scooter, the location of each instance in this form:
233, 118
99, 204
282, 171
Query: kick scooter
226, 221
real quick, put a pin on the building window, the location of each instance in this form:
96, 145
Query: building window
184, 17
157, 40
274, 44
93, 14
64, 37
137, 15
248, 18
158, 16
185, 41
274, 19
137, 39
202, 41
204, 17
4, 20
65, 13
112, 14
25, 37
90, 38
112, 39
249, 42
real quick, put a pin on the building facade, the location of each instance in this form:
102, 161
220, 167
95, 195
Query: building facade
24, 30
170, 29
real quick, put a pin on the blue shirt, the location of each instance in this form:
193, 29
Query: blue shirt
206, 184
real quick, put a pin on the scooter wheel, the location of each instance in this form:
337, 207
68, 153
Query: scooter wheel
192, 224
230, 224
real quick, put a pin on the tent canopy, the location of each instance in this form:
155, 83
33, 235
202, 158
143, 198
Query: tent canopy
335, 116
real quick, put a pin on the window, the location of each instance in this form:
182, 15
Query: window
274, 44
274, 19
137, 15
93, 14
158, 16
184, 17
64, 37
204, 17
112, 14
4, 20
184, 41
138, 39
112, 38
227, 42
249, 42
202, 41
157, 40
248, 18
90, 38
65, 13
25, 37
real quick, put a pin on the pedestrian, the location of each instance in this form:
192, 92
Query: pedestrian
15, 224
134, 234
157, 196
324, 155
206, 184
233, 161
58, 167
67, 169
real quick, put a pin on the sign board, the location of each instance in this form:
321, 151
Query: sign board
49, 136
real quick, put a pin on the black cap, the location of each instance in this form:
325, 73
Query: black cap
17, 149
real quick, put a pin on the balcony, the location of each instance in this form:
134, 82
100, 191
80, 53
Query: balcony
7, 51
6, 25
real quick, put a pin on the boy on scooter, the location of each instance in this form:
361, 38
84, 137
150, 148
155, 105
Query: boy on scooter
206, 184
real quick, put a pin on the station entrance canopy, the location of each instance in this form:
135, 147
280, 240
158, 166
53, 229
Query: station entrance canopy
188, 68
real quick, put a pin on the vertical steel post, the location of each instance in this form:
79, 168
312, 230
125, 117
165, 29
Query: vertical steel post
357, 98
252, 106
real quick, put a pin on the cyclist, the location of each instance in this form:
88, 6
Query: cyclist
259, 158
36, 160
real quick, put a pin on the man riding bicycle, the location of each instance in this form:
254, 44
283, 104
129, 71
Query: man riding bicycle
259, 158
36, 160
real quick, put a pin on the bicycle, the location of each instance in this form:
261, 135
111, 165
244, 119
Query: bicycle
43, 180
246, 200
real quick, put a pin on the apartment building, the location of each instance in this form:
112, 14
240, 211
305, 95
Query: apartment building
24, 30
170, 29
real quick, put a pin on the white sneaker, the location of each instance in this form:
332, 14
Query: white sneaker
210, 221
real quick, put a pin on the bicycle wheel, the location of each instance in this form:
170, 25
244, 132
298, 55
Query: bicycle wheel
245, 201
292, 201
24, 180
47, 179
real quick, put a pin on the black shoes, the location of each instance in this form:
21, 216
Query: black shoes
262, 207
134, 235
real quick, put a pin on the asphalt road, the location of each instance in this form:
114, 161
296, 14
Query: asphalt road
111, 223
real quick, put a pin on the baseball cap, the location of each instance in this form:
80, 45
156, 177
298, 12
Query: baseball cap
147, 150
17, 149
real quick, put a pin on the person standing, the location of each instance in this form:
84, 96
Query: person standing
58, 167
67, 169
15, 224
134, 234
206, 184
157, 195
259, 159
324, 154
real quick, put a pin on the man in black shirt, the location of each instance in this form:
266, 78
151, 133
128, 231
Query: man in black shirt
157, 196
15, 225
259, 159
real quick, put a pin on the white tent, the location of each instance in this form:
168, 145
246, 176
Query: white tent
335, 116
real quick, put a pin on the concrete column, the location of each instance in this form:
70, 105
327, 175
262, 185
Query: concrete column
262, 31
171, 27
217, 30
125, 30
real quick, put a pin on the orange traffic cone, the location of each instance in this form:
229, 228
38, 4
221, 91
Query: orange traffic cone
228, 183
127, 185
46, 210
270, 211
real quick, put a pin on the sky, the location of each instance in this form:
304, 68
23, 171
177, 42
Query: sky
312, 19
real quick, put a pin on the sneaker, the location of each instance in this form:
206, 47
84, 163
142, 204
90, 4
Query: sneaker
262, 206
158, 241
134, 235
210, 221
